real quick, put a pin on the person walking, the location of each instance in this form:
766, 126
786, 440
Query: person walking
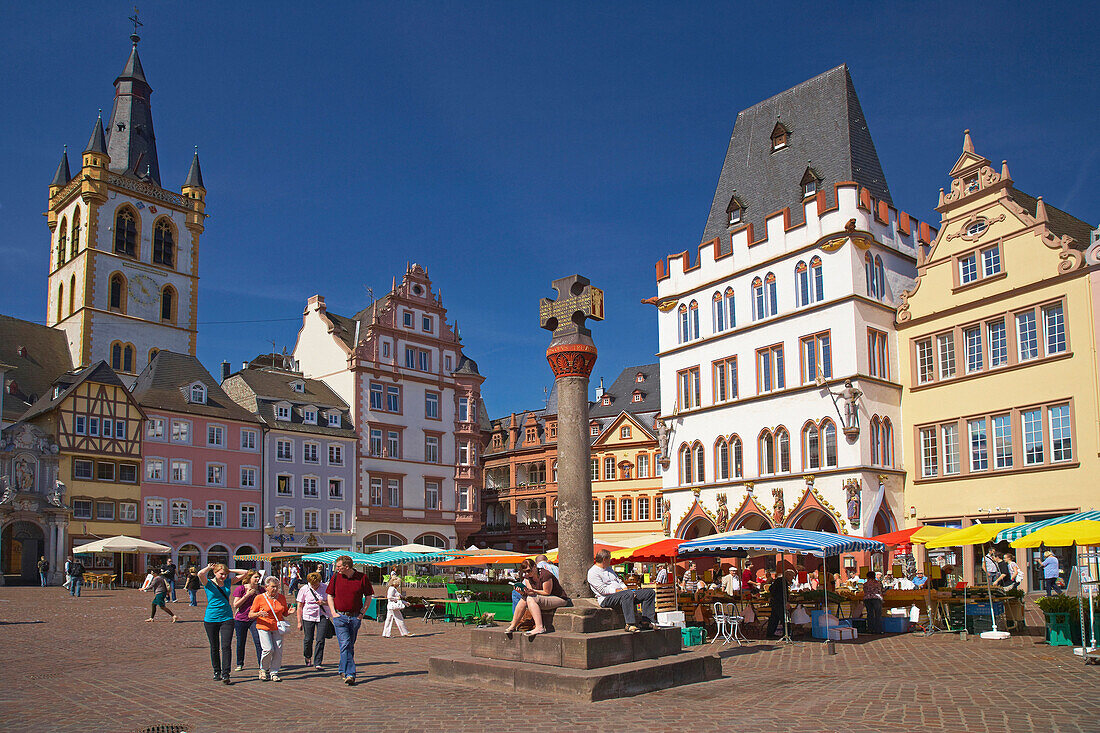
777, 602
872, 601
1049, 564
295, 576
218, 619
243, 624
348, 593
43, 568
313, 614
192, 585
75, 571
159, 589
169, 572
394, 604
269, 610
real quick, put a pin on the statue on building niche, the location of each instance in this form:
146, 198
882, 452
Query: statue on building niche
57, 496
850, 396
666, 517
853, 492
662, 442
24, 474
722, 515
779, 509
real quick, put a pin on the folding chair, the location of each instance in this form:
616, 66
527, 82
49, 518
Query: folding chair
722, 622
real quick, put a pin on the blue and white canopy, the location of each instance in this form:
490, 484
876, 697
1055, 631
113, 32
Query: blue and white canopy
383, 557
329, 556
801, 541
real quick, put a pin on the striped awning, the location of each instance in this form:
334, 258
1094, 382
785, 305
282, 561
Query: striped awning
329, 556
800, 541
397, 557
1021, 530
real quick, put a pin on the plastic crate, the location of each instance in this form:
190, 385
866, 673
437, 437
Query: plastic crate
692, 635
895, 624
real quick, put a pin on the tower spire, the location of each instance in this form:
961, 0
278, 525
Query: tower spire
131, 142
63, 176
194, 176
96, 143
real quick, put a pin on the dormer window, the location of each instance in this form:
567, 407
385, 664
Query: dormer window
809, 182
309, 416
780, 135
56, 391
735, 211
636, 396
639, 378
282, 412
334, 419
298, 385
198, 394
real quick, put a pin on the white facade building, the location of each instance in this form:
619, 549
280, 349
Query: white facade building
760, 328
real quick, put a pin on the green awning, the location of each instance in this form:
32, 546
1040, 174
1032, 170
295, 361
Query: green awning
1021, 530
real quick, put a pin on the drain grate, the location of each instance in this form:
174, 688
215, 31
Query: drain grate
165, 728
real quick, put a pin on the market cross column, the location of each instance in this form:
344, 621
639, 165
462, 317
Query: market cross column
571, 355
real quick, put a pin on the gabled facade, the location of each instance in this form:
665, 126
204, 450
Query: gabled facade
97, 426
998, 339
201, 488
123, 278
773, 313
309, 456
416, 403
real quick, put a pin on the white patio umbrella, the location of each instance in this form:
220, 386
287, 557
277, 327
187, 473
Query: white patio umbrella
121, 543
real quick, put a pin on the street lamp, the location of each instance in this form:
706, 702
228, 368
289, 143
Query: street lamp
281, 533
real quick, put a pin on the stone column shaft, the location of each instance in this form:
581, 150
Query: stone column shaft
574, 487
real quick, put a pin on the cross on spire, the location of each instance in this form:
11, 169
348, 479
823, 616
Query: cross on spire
577, 301
137, 24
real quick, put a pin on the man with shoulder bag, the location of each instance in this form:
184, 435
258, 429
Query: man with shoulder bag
76, 576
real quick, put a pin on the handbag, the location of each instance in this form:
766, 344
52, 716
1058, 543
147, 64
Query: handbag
327, 629
282, 626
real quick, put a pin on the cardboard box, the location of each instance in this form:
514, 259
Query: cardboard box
670, 618
842, 633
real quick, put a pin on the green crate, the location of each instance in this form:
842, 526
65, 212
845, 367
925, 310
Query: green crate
692, 635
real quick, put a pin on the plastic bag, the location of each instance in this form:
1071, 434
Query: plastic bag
750, 615
799, 616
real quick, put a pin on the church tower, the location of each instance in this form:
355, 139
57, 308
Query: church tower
124, 250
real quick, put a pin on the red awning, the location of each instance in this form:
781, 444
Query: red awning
900, 537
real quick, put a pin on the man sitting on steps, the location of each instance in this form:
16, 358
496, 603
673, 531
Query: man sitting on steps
610, 592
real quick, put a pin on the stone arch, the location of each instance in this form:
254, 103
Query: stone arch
812, 500
693, 516
750, 515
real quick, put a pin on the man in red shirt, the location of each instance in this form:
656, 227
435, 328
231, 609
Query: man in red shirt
349, 593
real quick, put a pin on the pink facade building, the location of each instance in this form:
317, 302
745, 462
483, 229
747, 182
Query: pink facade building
201, 487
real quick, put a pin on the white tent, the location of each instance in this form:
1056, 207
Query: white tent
121, 543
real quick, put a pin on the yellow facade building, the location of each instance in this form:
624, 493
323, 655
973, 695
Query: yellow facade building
626, 483
97, 426
1000, 400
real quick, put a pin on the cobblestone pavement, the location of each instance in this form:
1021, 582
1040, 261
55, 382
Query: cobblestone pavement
91, 664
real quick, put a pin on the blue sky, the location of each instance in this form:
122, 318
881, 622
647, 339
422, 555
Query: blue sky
505, 144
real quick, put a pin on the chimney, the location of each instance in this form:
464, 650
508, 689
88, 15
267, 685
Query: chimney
599, 390
244, 365
225, 370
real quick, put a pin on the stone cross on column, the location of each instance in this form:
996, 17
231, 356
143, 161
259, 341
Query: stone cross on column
571, 356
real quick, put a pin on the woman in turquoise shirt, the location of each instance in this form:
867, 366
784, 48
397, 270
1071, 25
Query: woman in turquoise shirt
218, 619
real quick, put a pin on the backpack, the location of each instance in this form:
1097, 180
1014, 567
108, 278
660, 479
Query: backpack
76, 568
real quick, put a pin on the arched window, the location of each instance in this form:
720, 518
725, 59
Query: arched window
767, 452
770, 295
700, 464
880, 277
128, 358
117, 295
887, 442
817, 280
876, 440
685, 464
718, 313
693, 311
62, 242
738, 457
74, 247
60, 300
802, 277
126, 232
721, 460
683, 332
869, 271
727, 304
168, 304
164, 243
116, 355
783, 443
72, 294
757, 299
811, 446
152, 353
828, 436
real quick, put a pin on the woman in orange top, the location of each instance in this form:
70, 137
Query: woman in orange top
270, 612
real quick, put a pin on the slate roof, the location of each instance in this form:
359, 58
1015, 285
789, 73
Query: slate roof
133, 148
194, 175
827, 131
1058, 221
344, 327
162, 383
97, 143
47, 358
259, 390
62, 176
623, 388
99, 373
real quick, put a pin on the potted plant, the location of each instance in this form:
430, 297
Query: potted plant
1063, 623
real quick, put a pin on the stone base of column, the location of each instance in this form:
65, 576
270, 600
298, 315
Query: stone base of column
588, 656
